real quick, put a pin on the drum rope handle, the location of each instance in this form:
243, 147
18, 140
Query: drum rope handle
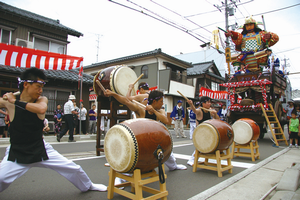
159, 155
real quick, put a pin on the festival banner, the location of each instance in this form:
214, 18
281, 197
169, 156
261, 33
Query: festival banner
212, 94
17, 56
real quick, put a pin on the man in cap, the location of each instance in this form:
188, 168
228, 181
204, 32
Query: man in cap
251, 40
178, 115
69, 110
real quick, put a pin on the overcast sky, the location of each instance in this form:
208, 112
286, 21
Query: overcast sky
123, 31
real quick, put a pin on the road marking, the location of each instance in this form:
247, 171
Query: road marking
223, 162
87, 158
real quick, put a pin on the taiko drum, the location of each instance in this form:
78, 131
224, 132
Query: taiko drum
245, 131
212, 135
133, 144
115, 78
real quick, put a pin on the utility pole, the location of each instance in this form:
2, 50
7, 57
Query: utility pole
98, 41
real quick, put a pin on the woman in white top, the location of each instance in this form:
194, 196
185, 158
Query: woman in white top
82, 116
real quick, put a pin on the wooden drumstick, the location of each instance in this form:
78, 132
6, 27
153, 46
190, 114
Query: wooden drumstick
183, 95
209, 110
139, 104
15, 94
101, 86
138, 79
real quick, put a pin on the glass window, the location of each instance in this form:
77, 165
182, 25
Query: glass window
214, 86
144, 71
4, 36
41, 44
54, 98
57, 48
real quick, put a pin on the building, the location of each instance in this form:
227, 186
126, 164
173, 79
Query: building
166, 72
22, 28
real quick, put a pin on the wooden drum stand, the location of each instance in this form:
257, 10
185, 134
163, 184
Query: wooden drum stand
218, 156
111, 104
137, 182
253, 146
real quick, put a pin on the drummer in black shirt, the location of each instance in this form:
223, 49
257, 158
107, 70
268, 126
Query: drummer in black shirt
202, 115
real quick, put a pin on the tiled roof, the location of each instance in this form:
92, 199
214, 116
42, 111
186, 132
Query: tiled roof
67, 75
5, 8
199, 68
140, 55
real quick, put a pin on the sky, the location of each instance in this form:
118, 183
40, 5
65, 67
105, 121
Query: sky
111, 31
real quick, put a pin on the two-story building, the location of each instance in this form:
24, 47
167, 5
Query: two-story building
23, 28
166, 72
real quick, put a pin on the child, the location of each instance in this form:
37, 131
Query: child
294, 129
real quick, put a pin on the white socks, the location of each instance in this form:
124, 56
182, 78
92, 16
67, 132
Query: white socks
98, 187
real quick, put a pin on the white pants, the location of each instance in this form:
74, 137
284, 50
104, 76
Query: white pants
192, 128
103, 124
171, 162
179, 128
10, 171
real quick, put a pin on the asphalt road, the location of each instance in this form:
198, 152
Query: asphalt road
41, 183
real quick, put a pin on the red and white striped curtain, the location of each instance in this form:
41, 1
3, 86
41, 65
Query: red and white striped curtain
16, 56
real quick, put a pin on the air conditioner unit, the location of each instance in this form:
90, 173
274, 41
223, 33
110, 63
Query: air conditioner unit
24, 43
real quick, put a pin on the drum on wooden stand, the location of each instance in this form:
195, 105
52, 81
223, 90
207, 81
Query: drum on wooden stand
135, 144
245, 130
115, 78
212, 135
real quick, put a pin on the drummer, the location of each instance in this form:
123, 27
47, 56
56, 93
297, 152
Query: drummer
201, 116
153, 111
144, 93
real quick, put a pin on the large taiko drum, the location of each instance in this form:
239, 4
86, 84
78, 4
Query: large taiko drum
212, 135
135, 144
115, 78
245, 130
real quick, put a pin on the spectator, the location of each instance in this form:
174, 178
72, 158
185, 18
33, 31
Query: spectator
58, 115
7, 124
178, 115
2, 123
46, 128
69, 110
294, 129
82, 117
223, 113
193, 120
76, 117
93, 120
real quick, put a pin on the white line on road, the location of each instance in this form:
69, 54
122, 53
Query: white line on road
223, 162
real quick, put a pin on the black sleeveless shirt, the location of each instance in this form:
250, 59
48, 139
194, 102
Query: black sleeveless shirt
148, 116
26, 137
206, 116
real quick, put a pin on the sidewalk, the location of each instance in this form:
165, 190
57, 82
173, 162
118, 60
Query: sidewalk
260, 181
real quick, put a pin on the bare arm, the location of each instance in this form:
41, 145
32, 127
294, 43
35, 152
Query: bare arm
128, 95
160, 114
123, 100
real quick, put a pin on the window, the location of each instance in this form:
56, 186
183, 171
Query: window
214, 86
4, 36
45, 44
144, 71
55, 97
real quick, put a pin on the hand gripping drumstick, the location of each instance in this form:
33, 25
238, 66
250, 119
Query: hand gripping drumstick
209, 110
15, 94
101, 86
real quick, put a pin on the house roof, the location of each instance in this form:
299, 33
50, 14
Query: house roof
201, 68
67, 75
140, 55
5, 8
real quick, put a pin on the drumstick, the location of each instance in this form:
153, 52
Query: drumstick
183, 95
188, 99
138, 79
139, 104
15, 94
101, 86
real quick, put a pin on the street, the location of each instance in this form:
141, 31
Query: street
40, 183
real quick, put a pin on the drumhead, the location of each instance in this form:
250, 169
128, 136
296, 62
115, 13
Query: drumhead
242, 132
206, 138
120, 79
121, 148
